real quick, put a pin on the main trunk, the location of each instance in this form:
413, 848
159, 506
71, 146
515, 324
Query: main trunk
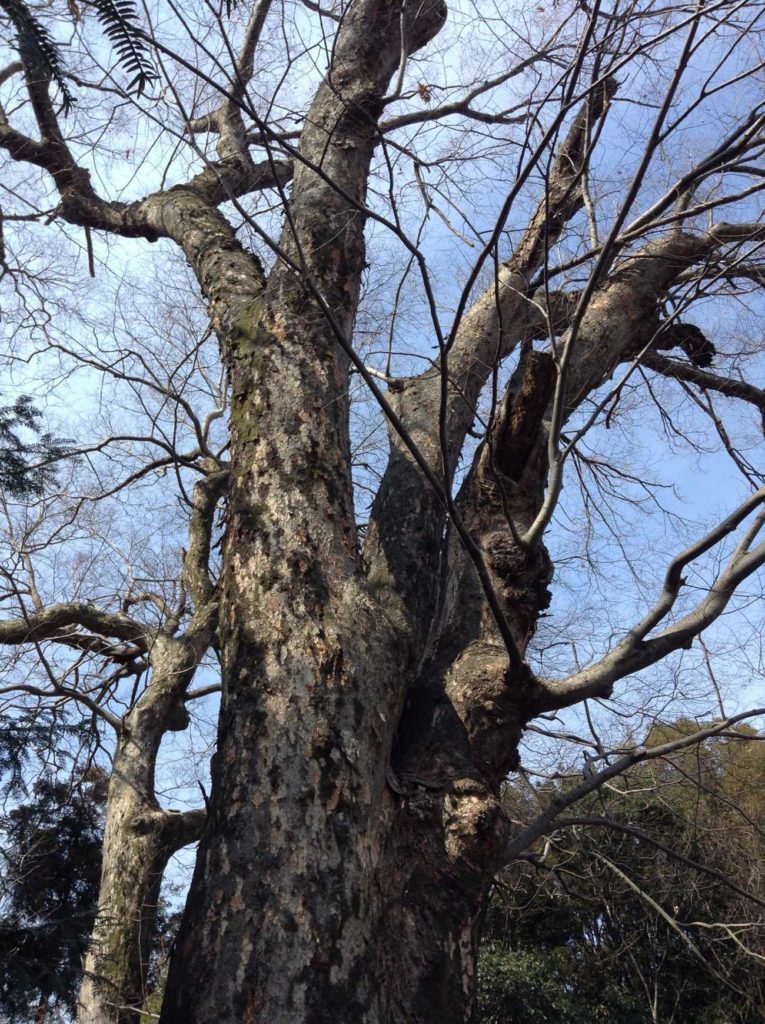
331, 888
352, 840
282, 921
284, 901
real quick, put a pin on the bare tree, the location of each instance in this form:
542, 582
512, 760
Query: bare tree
648, 898
376, 683
142, 617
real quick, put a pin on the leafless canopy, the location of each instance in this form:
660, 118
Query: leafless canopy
481, 303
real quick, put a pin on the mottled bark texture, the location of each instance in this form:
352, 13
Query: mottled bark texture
139, 836
139, 839
373, 696
330, 885
288, 872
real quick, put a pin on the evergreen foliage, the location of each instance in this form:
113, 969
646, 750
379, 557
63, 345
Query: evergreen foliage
569, 941
37, 45
50, 868
49, 894
21, 473
28, 734
120, 22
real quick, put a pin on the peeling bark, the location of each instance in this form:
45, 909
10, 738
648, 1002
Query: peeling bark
372, 703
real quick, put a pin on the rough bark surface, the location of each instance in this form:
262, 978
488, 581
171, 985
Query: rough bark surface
139, 836
373, 695
139, 839
308, 711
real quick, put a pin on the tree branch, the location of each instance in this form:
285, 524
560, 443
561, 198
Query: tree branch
634, 652
728, 386
619, 826
51, 623
546, 821
181, 828
196, 562
404, 536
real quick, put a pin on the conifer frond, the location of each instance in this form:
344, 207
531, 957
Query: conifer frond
119, 20
36, 44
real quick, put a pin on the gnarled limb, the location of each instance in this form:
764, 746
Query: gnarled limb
728, 386
466, 713
53, 622
404, 537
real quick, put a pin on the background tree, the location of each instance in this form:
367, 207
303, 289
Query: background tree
376, 664
647, 905
18, 455
119, 657
51, 849
50, 844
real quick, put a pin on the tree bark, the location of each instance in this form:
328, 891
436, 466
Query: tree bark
373, 700
139, 839
319, 653
139, 836
310, 675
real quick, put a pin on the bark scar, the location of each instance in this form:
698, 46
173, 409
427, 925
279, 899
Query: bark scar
519, 428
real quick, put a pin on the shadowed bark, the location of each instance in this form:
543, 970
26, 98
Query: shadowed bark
373, 696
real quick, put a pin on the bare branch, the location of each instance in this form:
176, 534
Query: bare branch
620, 826
196, 568
546, 821
635, 652
53, 623
728, 386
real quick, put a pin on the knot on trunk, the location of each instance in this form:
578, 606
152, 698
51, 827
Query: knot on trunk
177, 718
522, 580
422, 22
476, 830
489, 703
146, 821
510, 484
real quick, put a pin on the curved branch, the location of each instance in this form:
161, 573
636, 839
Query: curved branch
196, 562
634, 652
67, 692
50, 624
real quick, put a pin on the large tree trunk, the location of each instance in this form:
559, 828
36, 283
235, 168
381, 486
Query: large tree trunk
334, 883
342, 879
373, 697
282, 919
